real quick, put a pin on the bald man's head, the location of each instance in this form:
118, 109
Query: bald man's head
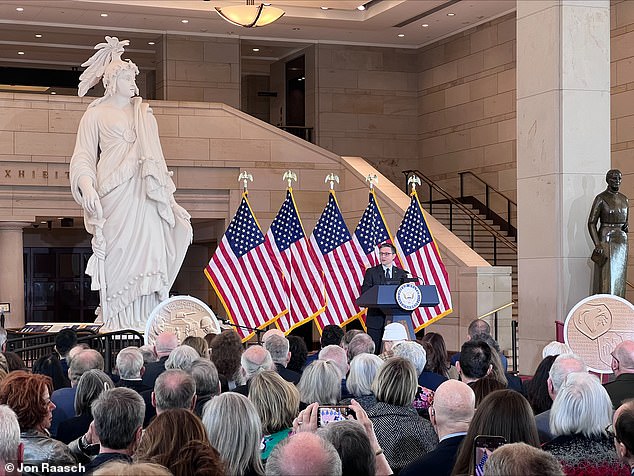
271, 332
165, 343
624, 356
254, 360
453, 407
304, 453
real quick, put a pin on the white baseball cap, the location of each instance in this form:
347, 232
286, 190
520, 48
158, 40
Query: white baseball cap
395, 331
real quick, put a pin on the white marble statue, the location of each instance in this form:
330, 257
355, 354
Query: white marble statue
119, 176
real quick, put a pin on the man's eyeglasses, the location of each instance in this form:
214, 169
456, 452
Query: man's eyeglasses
610, 431
389, 253
617, 360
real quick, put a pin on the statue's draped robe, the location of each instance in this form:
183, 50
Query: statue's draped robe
140, 242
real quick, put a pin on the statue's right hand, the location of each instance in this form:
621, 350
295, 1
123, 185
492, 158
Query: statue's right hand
90, 200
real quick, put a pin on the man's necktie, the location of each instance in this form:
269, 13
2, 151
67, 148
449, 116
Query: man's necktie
387, 273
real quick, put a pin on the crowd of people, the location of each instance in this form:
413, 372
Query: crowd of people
215, 407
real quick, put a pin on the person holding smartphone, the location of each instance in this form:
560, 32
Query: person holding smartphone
503, 413
308, 419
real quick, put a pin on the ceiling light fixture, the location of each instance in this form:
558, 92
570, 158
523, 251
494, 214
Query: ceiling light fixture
401, 35
361, 7
256, 49
19, 9
20, 52
52, 92
104, 15
325, 8
184, 21
250, 15
450, 14
151, 43
38, 35
425, 25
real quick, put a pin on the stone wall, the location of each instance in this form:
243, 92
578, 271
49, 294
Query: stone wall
466, 104
622, 102
198, 69
366, 104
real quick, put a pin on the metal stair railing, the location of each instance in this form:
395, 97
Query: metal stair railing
490, 214
31, 347
470, 214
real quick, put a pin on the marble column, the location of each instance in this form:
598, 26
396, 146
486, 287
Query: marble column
12, 270
563, 153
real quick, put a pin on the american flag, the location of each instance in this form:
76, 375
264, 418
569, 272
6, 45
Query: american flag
416, 245
342, 264
303, 280
244, 275
371, 232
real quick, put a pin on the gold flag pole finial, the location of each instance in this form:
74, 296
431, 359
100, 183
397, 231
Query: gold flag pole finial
245, 177
413, 180
373, 179
332, 178
289, 176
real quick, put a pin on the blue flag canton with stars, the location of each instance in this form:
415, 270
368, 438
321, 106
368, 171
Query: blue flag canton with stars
413, 233
371, 229
243, 233
331, 231
286, 226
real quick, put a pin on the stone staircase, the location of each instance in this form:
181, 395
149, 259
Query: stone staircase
482, 242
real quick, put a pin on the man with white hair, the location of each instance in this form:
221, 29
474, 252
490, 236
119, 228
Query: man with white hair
10, 447
279, 348
253, 360
130, 368
339, 357
182, 358
563, 366
304, 453
361, 343
164, 344
450, 415
622, 387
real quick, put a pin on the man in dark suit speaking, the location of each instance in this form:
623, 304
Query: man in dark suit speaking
385, 273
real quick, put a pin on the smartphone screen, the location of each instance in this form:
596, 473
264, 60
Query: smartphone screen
483, 446
331, 413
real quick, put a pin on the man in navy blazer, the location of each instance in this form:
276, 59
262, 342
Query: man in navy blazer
385, 273
450, 415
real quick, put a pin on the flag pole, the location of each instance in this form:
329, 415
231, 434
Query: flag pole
290, 176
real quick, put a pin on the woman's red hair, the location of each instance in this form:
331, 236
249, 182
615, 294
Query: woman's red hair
23, 392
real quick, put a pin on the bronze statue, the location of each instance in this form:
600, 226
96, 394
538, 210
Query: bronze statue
610, 239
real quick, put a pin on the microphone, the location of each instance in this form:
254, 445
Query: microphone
412, 276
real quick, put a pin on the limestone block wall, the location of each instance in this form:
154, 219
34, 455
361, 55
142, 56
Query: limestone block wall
366, 104
622, 102
466, 106
206, 145
198, 69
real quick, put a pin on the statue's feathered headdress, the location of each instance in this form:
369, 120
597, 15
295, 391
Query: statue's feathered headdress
108, 52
